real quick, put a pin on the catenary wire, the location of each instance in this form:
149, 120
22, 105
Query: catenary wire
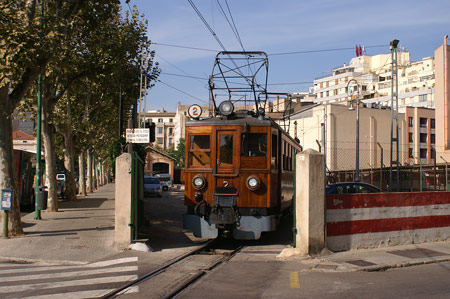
179, 90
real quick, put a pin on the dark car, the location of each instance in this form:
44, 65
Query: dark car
351, 187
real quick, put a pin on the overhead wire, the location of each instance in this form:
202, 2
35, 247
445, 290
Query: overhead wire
168, 62
232, 26
177, 89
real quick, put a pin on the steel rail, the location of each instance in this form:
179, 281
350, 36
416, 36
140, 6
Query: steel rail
185, 285
155, 272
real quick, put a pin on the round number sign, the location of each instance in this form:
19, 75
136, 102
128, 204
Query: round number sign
195, 111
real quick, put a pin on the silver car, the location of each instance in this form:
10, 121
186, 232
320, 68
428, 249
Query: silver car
152, 186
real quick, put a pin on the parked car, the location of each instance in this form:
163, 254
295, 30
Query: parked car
351, 187
166, 180
152, 186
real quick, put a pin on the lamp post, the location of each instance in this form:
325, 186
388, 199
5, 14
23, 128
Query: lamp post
37, 212
350, 92
446, 174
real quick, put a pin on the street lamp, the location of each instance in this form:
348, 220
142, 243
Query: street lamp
446, 173
350, 92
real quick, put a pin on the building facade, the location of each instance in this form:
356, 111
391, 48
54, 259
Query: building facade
442, 55
373, 74
164, 127
331, 129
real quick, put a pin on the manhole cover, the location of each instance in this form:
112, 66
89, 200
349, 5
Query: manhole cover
360, 263
327, 267
417, 253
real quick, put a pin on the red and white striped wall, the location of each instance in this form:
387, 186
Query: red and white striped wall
385, 219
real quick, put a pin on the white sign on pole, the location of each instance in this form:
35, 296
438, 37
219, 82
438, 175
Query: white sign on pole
138, 135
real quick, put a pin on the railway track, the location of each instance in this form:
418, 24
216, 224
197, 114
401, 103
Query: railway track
173, 278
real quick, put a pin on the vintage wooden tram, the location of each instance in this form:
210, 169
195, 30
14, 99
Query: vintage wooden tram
239, 164
238, 175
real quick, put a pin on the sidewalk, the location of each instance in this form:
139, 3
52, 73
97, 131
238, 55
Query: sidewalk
376, 259
80, 232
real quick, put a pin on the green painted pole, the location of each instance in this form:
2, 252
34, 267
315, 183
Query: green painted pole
5, 225
93, 173
37, 212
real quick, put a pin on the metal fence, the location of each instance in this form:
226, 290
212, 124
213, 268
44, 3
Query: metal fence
375, 170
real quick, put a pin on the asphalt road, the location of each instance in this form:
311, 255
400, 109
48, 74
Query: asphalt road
282, 280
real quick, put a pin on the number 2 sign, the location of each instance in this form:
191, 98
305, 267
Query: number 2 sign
195, 111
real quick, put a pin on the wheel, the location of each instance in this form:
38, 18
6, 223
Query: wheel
165, 188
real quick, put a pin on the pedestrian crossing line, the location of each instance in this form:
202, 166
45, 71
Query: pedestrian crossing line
113, 262
69, 274
69, 283
74, 295
57, 267
295, 284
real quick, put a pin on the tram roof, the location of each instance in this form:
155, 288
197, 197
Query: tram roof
237, 120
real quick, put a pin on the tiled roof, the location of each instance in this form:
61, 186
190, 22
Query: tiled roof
20, 135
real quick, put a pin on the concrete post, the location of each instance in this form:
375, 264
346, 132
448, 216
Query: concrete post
310, 202
122, 232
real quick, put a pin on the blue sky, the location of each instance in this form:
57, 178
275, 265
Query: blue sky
278, 27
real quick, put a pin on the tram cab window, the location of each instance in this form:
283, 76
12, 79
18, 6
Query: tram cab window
199, 151
226, 150
254, 145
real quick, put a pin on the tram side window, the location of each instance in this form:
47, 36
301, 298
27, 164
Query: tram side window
274, 151
254, 145
199, 151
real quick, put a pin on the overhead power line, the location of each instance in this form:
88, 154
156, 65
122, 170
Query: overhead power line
275, 54
232, 26
323, 50
184, 47
179, 90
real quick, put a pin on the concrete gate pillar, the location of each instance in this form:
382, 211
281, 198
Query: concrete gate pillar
122, 231
310, 202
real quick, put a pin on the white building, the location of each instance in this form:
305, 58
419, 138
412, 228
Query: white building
374, 76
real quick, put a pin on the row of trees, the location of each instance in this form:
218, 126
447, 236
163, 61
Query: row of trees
88, 54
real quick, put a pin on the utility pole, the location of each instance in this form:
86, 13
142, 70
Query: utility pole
143, 80
394, 118
358, 100
37, 212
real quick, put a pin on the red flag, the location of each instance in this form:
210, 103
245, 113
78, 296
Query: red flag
357, 51
360, 51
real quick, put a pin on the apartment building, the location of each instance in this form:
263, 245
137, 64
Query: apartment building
373, 74
335, 128
442, 55
164, 127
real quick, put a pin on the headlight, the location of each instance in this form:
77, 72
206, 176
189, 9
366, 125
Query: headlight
226, 108
253, 183
199, 182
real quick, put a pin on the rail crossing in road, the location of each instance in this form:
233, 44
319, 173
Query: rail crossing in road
66, 281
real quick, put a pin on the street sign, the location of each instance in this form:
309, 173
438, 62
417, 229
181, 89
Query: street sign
138, 135
6, 199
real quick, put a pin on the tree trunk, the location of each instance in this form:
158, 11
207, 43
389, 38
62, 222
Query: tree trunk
89, 172
69, 166
71, 193
48, 137
102, 173
7, 173
82, 173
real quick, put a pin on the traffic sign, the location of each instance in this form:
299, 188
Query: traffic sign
138, 135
